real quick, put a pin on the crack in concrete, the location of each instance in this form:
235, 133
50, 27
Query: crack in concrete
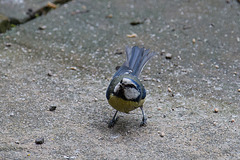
6, 23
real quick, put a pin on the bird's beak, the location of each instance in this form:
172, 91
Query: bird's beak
121, 86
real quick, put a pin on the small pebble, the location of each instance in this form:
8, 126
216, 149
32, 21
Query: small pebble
168, 56
238, 90
118, 52
134, 23
134, 35
238, 39
215, 110
8, 44
109, 16
39, 140
84, 7
186, 27
11, 114
193, 40
163, 51
17, 142
42, 27
73, 68
51, 5
169, 89
100, 138
52, 108
217, 66
162, 134
147, 79
49, 74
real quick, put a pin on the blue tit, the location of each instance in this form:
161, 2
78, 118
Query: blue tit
125, 91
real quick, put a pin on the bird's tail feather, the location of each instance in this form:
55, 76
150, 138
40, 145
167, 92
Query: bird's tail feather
137, 58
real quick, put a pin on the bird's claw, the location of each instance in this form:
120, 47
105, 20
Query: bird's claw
144, 122
112, 123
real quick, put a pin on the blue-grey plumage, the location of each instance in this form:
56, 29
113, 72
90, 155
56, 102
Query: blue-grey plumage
136, 59
125, 92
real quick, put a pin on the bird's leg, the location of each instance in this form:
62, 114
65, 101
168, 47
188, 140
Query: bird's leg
144, 119
113, 121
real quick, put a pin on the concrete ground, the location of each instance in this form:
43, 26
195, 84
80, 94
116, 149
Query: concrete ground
66, 59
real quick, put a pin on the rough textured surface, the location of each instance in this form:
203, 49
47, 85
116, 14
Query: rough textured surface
69, 64
18, 8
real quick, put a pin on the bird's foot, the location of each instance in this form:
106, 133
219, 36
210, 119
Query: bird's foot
112, 122
144, 122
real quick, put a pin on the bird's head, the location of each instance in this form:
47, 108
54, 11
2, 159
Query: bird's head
127, 89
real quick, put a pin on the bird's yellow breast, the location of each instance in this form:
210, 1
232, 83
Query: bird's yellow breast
124, 105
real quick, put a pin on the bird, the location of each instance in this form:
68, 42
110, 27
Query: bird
125, 91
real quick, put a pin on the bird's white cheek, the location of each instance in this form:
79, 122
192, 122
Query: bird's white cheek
131, 93
117, 88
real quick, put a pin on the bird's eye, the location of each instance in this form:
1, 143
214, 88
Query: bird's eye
130, 86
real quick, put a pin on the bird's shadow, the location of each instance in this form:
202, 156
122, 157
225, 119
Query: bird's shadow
124, 125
